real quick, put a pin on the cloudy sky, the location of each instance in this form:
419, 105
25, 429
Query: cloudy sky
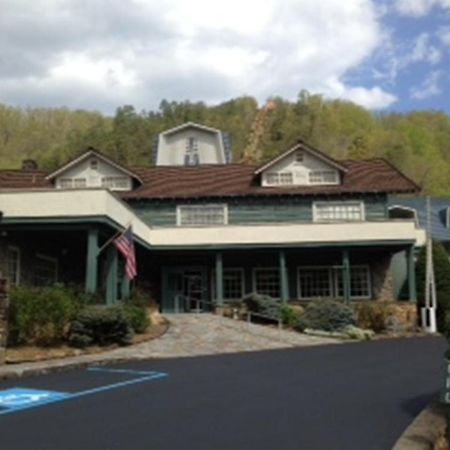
100, 54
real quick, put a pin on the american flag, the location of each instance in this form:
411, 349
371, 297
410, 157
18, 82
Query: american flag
125, 245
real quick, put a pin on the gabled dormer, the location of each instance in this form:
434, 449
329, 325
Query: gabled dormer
191, 144
93, 170
301, 165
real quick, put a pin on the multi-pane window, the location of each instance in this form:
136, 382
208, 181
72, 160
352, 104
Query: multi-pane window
233, 284
359, 282
281, 178
266, 281
298, 157
327, 282
322, 177
338, 211
202, 215
314, 282
191, 157
115, 182
94, 164
45, 270
70, 183
13, 265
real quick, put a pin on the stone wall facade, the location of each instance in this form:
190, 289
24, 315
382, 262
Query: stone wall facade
382, 281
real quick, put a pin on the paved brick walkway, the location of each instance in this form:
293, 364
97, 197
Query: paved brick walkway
188, 335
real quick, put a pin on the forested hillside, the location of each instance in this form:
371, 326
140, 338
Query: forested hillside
418, 142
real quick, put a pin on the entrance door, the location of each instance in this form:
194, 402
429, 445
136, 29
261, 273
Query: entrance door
183, 289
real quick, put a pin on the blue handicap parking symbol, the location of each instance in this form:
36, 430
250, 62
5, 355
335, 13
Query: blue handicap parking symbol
18, 398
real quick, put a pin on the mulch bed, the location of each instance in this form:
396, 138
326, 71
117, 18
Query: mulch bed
31, 353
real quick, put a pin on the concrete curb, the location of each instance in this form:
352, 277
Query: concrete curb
426, 428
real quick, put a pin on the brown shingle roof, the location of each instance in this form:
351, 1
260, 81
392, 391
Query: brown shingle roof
373, 176
23, 179
226, 180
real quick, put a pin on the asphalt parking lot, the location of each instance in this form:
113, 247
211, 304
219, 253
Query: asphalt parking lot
354, 396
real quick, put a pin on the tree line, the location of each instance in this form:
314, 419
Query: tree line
416, 142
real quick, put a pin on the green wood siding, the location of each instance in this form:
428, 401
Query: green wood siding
254, 211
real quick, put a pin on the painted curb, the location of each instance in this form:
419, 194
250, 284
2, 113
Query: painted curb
425, 429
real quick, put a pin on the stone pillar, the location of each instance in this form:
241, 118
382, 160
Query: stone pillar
4, 303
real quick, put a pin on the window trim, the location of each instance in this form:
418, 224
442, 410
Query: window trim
213, 291
333, 281
222, 205
261, 269
360, 203
16, 249
278, 176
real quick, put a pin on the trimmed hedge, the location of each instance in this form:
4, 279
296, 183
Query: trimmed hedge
101, 325
137, 318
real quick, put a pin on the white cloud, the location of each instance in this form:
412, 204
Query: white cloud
444, 35
419, 8
424, 51
140, 51
429, 88
373, 98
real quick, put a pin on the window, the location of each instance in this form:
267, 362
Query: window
315, 282
359, 282
322, 177
94, 164
13, 265
338, 211
191, 157
282, 178
115, 182
233, 284
65, 183
298, 157
267, 282
202, 215
79, 182
45, 270
327, 282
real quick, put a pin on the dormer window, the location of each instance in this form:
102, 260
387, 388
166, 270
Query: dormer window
280, 179
94, 164
322, 177
191, 157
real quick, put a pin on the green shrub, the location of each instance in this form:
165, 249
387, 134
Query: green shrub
137, 318
373, 315
100, 325
40, 315
291, 316
327, 315
263, 304
442, 277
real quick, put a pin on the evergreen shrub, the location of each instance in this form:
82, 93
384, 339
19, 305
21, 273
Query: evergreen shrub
327, 315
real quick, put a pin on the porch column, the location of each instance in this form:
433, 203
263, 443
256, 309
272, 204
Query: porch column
91, 261
219, 279
346, 275
111, 276
284, 284
125, 286
411, 275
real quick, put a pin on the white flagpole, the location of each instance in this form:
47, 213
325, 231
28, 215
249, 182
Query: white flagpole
429, 311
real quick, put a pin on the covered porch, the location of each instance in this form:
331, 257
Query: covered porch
212, 278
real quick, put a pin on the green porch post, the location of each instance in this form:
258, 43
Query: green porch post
219, 279
91, 261
283, 277
346, 275
411, 275
111, 276
125, 287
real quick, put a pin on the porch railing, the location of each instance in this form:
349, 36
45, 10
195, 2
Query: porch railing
182, 300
